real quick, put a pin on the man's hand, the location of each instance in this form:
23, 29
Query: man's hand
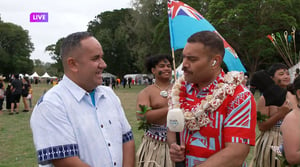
177, 152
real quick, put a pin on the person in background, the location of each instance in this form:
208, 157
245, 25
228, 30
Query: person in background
290, 129
8, 96
16, 89
113, 83
270, 127
2, 92
25, 91
79, 122
124, 82
220, 135
155, 97
30, 97
129, 82
118, 82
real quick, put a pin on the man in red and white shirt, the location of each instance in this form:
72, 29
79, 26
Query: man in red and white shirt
226, 140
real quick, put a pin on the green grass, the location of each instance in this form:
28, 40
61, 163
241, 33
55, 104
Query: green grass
16, 144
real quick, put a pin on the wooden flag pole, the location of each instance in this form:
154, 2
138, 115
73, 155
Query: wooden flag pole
182, 163
174, 66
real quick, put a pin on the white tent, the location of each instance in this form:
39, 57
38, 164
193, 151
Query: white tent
46, 75
34, 75
108, 75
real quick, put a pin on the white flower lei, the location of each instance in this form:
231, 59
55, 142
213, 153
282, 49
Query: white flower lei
197, 117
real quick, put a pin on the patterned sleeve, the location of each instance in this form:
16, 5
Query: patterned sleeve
52, 133
240, 123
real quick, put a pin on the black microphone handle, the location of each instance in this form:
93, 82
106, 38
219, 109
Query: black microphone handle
182, 163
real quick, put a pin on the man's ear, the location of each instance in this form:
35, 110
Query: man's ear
216, 61
72, 64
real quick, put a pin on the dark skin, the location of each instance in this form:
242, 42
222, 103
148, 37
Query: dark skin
200, 69
150, 96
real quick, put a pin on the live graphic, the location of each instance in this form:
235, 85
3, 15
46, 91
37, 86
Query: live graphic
39, 17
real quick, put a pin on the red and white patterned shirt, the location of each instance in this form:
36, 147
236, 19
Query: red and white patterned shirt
233, 122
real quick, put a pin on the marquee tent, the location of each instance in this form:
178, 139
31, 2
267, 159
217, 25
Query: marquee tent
46, 75
34, 75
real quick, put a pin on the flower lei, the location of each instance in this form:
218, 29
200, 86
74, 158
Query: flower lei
197, 116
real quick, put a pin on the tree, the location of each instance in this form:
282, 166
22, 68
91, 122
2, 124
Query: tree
54, 52
245, 25
151, 30
117, 38
15, 49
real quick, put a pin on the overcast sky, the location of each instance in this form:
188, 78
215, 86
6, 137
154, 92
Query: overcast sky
65, 17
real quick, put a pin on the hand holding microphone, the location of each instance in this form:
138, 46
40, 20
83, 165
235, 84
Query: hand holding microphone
175, 123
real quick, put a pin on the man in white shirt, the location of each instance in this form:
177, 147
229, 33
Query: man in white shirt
78, 122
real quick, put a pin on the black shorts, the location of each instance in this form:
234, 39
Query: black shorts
25, 94
15, 98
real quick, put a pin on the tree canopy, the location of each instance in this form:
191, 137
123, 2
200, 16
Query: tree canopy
15, 49
246, 24
114, 31
54, 52
129, 35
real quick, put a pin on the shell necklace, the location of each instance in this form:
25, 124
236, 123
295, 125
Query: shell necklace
163, 92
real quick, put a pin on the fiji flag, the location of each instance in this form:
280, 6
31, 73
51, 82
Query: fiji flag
185, 21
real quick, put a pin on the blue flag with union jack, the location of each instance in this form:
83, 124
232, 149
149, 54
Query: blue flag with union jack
185, 21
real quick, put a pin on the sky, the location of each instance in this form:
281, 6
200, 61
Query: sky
64, 17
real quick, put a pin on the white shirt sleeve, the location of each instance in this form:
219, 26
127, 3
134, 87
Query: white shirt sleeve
53, 134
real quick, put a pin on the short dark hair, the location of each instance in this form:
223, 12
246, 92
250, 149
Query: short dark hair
277, 66
71, 42
209, 39
17, 76
153, 60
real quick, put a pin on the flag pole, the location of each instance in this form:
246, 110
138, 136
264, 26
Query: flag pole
174, 66
182, 163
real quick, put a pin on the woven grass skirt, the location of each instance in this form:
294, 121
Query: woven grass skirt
153, 153
263, 155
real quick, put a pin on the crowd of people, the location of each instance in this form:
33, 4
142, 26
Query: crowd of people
81, 122
115, 83
16, 89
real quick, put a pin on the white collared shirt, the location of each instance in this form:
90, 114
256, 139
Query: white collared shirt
65, 123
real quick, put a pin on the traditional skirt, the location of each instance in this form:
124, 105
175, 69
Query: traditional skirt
153, 153
263, 154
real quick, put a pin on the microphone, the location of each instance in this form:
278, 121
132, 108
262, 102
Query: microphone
175, 120
175, 123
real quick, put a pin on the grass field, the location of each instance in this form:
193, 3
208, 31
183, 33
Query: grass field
16, 145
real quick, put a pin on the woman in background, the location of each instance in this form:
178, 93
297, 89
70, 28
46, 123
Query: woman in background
270, 127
